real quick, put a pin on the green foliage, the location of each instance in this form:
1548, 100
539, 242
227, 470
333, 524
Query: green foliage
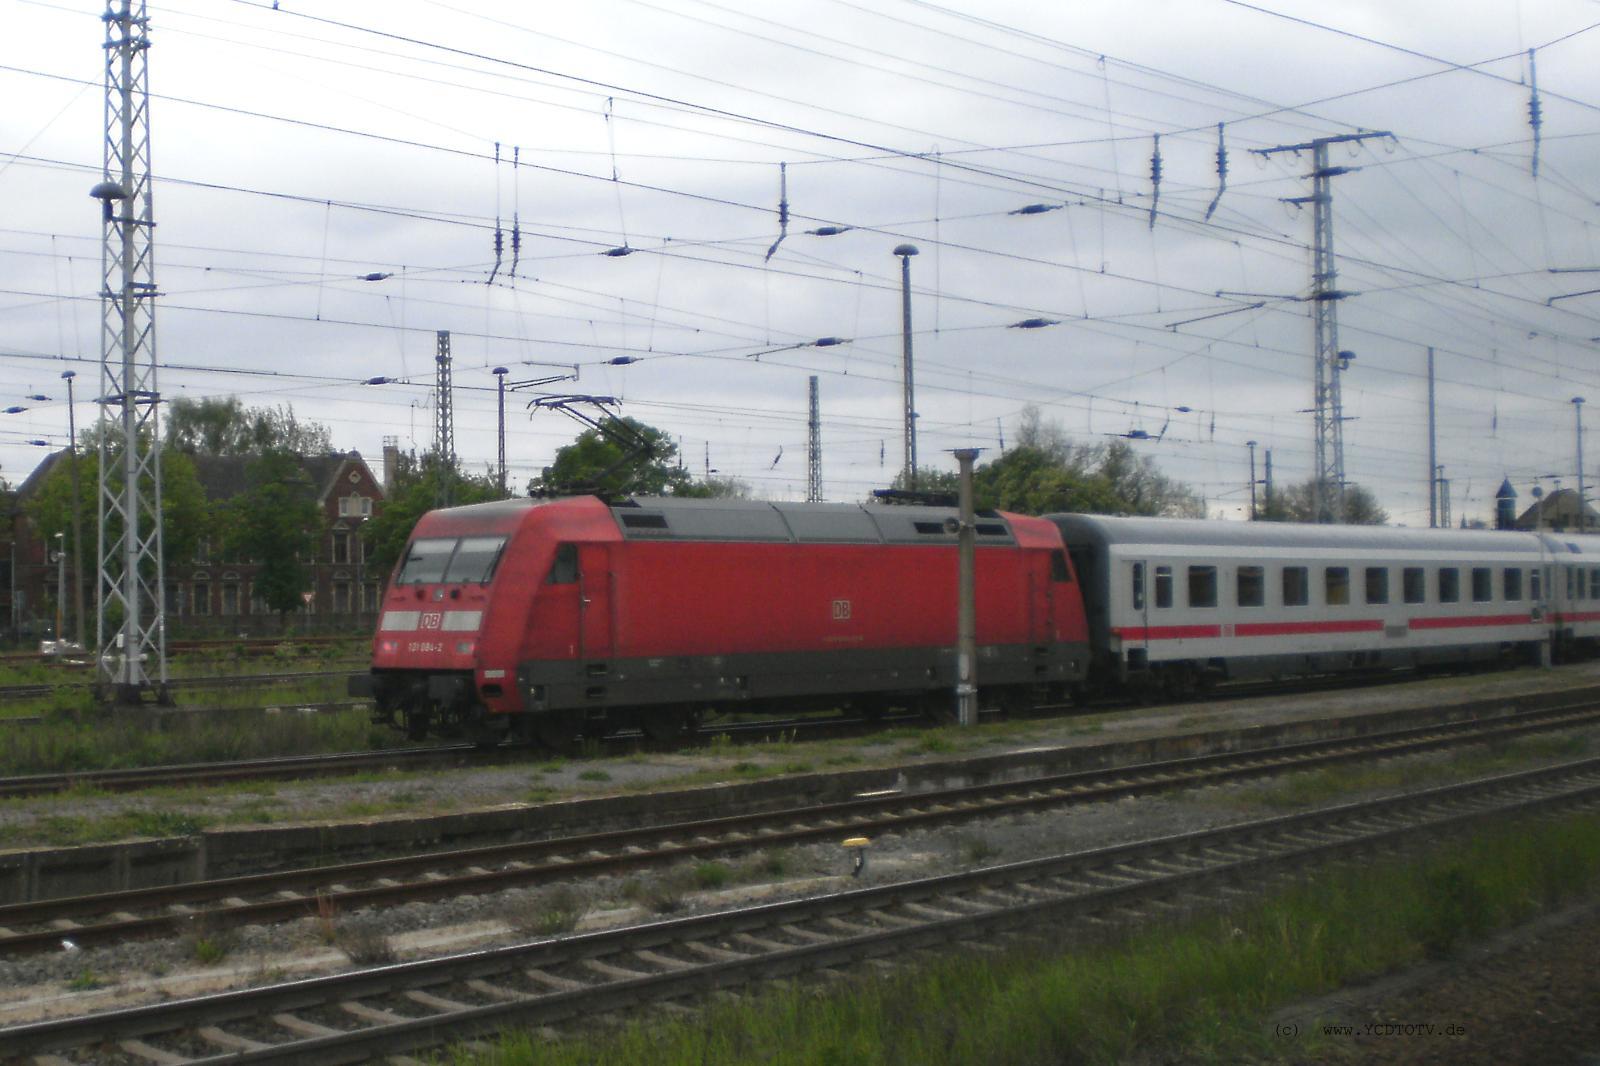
1294, 504
276, 520
421, 485
605, 461
1046, 472
221, 425
184, 515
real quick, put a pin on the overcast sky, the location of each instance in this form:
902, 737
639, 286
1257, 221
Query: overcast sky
294, 155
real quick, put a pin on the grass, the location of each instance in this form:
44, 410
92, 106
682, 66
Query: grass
1198, 990
1316, 787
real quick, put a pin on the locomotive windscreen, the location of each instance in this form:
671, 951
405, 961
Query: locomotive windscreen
449, 560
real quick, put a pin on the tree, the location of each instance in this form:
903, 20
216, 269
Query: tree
1294, 504
415, 492
185, 518
606, 461
275, 521
224, 426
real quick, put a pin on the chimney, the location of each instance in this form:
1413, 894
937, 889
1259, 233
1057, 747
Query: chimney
391, 464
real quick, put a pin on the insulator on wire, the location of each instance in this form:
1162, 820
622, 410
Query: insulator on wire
1155, 180
1222, 172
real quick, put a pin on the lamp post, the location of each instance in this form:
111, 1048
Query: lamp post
905, 252
77, 514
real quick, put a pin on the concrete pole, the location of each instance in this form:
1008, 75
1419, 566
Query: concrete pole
77, 518
967, 615
1433, 454
1252, 446
905, 252
1583, 513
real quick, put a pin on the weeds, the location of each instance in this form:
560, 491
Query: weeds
364, 942
551, 912
86, 981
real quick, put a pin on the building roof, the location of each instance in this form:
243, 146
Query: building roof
1558, 510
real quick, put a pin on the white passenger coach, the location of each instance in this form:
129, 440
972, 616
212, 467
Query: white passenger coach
1182, 603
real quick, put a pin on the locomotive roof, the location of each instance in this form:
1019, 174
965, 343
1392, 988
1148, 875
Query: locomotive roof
663, 518
1105, 530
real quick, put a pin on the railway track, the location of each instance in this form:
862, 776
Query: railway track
19, 692
410, 1006
286, 895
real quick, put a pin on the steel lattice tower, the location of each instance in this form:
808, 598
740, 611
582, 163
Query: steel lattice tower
1327, 488
444, 429
814, 450
130, 627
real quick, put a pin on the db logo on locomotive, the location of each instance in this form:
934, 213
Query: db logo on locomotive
431, 620
841, 610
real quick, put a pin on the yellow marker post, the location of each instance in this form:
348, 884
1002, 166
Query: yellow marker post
858, 854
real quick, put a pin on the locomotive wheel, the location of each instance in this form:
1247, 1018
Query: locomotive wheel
558, 732
417, 722
667, 727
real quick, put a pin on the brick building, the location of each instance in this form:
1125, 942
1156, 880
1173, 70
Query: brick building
213, 594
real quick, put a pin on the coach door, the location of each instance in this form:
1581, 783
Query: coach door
594, 602
1138, 577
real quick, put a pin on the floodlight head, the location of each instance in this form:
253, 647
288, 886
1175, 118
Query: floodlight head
905, 250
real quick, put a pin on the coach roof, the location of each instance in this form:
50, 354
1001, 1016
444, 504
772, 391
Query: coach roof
1103, 530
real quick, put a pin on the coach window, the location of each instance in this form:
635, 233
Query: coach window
1377, 584
1296, 586
1449, 584
1414, 584
1482, 584
1202, 586
1163, 586
1336, 584
1252, 586
564, 571
1571, 591
1511, 583
1594, 584
1535, 585
1138, 586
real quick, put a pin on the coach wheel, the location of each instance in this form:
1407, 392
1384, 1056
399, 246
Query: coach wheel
670, 726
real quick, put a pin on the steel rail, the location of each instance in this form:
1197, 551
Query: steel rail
780, 939
291, 894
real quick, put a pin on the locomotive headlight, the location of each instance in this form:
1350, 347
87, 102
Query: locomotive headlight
388, 647
464, 647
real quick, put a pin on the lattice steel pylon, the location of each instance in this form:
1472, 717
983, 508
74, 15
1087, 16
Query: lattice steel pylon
1327, 488
814, 449
444, 429
130, 624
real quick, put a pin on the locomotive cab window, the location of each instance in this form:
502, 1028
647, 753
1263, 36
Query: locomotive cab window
475, 560
564, 570
1377, 584
1414, 584
1296, 586
1252, 586
1163, 586
1336, 584
425, 562
1511, 583
1449, 584
1482, 584
1202, 586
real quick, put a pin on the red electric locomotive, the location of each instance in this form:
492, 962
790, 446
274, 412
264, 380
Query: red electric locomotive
555, 618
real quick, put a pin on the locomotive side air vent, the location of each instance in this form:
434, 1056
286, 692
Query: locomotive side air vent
644, 521
991, 529
930, 527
